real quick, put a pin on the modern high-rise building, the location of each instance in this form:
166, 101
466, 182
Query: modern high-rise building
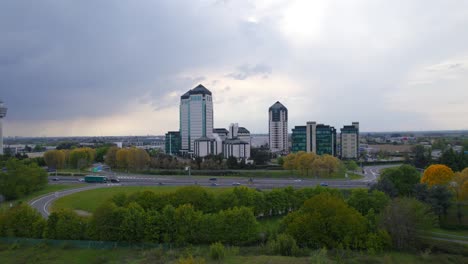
3, 112
278, 128
349, 140
299, 139
320, 139
196, 119
172, 143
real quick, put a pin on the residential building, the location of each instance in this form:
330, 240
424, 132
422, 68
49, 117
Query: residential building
172, 142
196, 120
350, 141
278, 128
299, 139
3, 112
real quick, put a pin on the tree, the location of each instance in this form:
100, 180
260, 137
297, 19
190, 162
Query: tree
20, 179
186, 224
232, 163
259, 156
21, 221
111, 157
460, 185
133, 223
326, 221
81, 158
437, 175
66, 224
55, 159
363, 200
404, 219
404, 178
240, 227
422, 157
352, 165
385, 185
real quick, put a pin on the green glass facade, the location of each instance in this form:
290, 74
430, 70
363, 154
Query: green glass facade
173, 142
325, 140
299, 139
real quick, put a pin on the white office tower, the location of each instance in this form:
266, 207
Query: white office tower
196, 120
3, 112
278, 128
350, 141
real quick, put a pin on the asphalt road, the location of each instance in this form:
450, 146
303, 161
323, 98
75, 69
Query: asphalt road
42, 203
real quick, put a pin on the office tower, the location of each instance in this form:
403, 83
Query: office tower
234, 145
278, 128
299, 139
172, 143
321, 139
3, 112
350, 141
196, 118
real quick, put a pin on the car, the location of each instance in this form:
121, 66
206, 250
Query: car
213, 179
160, 183
297, 180
115, 180
236, 183
323, 184
81, 179
56, 179
214, 184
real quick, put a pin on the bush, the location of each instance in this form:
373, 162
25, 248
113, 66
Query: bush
284, 245
217, 251
191, 260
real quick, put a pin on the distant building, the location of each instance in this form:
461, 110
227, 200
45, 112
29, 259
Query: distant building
196, 120
350, 141
3, 112
299, 139
221, 132
234, 145
172, 143
278, 128
321, 139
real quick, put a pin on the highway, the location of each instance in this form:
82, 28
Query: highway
42, 203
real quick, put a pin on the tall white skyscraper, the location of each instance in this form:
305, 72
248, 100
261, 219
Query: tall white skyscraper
196, 117
278, 128
3, 112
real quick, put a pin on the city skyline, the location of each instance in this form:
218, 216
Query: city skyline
394, 66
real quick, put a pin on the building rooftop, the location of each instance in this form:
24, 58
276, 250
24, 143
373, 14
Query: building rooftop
200, 89
220, 131
243, 130
279, 106
235, 141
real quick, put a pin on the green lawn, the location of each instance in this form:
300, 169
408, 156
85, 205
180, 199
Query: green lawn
90, 200
47, 254
47, 189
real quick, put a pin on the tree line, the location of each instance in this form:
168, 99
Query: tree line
311, 164
20, 177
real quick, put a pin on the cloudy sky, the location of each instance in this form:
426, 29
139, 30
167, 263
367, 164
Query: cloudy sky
119, 67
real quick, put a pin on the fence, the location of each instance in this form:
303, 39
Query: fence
80, 243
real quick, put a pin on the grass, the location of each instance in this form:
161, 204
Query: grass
48, 254
47, 189
90, 200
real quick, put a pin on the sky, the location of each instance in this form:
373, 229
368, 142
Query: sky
105, 67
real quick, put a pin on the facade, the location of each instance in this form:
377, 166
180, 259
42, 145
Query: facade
349, 140
278, 128
221, 132
299, 139
172, 143
196, 118
3, 112
234, 145
320, 139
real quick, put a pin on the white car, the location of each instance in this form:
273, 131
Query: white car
236, 184
297, 180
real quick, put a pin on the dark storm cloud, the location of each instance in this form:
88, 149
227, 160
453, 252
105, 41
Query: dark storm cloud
63, 59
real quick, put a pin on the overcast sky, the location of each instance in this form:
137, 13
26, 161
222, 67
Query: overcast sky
96, 68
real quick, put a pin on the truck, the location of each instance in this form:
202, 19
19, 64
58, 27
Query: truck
95, 179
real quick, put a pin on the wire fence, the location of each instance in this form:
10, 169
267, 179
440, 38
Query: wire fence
81, 243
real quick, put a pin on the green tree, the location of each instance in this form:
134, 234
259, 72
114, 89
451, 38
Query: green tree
111, 157
186, 224
217, 251
21, 221
404, 178
240, 227
326, 221
20, 179
55, 159
404, 219
66, 224
363, 201
133, 223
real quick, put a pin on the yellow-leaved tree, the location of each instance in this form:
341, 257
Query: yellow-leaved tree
437, 174
460, 185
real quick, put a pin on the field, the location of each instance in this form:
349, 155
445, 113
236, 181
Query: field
47, 189
90, 200
43, 253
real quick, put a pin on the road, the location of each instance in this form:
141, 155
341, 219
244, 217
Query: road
42, 203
